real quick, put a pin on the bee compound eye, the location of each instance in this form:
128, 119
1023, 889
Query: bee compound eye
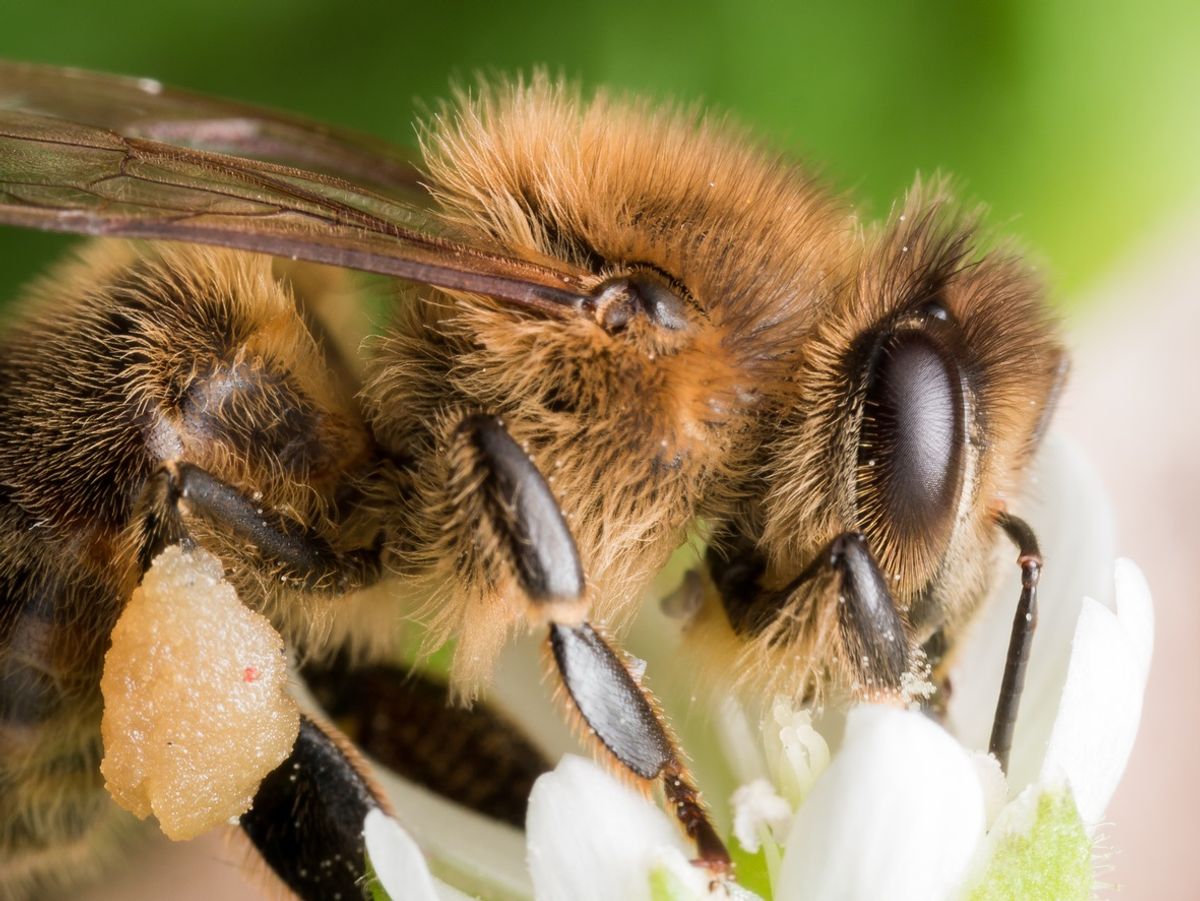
912, 436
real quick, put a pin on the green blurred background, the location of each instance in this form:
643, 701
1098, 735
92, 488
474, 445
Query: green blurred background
1075, 122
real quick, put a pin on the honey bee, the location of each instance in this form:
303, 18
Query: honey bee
615, 325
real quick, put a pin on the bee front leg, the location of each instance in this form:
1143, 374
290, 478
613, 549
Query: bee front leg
874, 636
307, 817
616, 708
873, 631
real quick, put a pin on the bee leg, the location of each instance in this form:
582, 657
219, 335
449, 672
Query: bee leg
545, 560
873, 632
517, 503
1029, 558
625, 719
875, 635
405, 720
307, 817
300, 554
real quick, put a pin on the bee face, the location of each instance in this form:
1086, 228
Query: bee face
618, 324
918, 403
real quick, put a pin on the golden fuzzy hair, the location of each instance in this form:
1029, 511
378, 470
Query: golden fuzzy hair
638, 432
750, 416
744, 413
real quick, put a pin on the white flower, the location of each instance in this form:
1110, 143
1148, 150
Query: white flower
756, 807
580, 815
898, 814
398, 864
902, 807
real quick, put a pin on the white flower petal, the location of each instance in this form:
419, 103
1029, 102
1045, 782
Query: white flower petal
590, 838
396, 859
897, 815
474, 852
1135, 608
993, 783
1102, 699
450, 893
1068, 510
671, 867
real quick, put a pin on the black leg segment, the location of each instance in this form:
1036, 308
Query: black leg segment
302, 554
875, 637
873, 633
518, 505
623, 718
307, 819
522, 509
1024, 624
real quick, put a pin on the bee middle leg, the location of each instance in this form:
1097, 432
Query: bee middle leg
615, 707
624, 718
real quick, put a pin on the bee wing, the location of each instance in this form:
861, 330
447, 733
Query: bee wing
144, 108
60, 174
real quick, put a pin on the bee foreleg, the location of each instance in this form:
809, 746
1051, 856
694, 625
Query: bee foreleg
623, 716
1029, 558
300, 553
875, 636
873, 633
307, 817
